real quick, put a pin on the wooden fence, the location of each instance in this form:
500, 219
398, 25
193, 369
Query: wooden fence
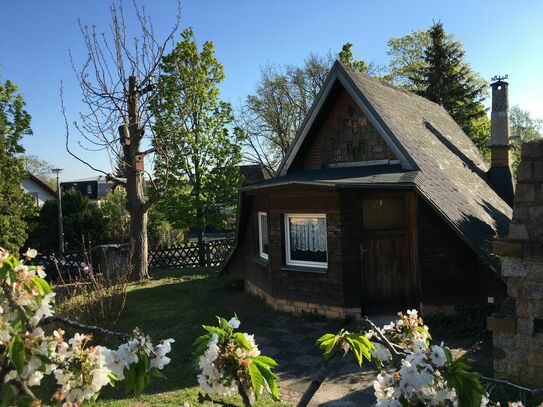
210, 254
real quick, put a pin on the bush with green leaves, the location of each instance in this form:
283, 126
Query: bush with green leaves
230, 363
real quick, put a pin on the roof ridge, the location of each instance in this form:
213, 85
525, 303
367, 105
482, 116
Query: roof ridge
389, 85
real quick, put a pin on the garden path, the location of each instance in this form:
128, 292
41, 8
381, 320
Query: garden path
291, 341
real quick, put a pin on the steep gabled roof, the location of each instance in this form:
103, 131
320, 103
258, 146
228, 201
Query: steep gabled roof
451, 172
42, 184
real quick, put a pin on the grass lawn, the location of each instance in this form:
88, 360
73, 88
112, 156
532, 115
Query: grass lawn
174, 304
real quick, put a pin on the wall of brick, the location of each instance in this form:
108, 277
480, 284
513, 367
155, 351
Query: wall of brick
518, 325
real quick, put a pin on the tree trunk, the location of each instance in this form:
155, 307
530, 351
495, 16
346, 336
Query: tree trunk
139, 255
135, 196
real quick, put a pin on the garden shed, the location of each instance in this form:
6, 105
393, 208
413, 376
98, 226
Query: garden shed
382, 203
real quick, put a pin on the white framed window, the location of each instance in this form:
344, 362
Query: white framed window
306, 240
263, 234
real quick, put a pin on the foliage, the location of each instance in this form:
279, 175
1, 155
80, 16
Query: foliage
116, 219
346, 57
523, 128
16, 208
40, 169
203, 152
231, 362
345, 340
447, 79
466, 322
407, 59
161, 232
82, 222
29, 353
426, 375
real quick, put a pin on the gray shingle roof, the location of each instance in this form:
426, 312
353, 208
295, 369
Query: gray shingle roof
452, 170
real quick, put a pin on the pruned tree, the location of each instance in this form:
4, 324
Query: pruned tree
118, 84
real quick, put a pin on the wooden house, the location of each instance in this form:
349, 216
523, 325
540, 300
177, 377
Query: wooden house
381, 204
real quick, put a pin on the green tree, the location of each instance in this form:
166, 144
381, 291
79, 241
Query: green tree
407, 59
40, 169
116, 219
448, 80
346, 57
82, 221
16, 207
203, 152
523, 128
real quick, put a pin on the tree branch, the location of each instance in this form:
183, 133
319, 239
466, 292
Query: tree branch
75, 324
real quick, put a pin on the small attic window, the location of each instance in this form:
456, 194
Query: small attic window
500, 87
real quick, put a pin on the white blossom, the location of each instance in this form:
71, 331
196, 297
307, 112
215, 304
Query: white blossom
234, 322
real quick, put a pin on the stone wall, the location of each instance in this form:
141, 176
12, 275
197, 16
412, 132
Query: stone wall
518, 325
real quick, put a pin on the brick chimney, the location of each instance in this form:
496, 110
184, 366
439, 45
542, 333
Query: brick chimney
500, 175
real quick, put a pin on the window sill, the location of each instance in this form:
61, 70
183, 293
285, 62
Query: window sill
305, 269
261, 261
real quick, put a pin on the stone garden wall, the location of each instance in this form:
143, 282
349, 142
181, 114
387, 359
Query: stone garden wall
518, 325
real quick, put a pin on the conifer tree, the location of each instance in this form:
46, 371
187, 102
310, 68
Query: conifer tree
449, 81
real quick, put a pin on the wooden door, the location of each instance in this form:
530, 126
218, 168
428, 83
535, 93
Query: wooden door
386, 271
388, 283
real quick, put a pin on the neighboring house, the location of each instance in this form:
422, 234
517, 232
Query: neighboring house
95, 188
39, 190
381, 204
253, 173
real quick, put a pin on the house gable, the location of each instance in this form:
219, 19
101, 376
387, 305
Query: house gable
342, 135
339, 79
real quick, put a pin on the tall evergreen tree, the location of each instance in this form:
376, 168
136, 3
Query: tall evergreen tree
16, 207
448, 80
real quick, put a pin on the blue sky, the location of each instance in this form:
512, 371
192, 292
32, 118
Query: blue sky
498, 36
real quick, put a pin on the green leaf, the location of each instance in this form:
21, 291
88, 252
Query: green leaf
215, 330
17, 353
10, 395
270, 379
266, 360
41, 285
241, 341
355, 346
325, 337
256, 378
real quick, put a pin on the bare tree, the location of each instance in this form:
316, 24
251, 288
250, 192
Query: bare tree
117, 84
272, 115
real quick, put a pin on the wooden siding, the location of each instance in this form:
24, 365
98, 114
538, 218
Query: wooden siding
440, 269
450, 272
341, 133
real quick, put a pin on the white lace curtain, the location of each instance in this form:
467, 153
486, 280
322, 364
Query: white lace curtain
307, 234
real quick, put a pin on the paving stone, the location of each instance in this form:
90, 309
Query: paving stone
308, 360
